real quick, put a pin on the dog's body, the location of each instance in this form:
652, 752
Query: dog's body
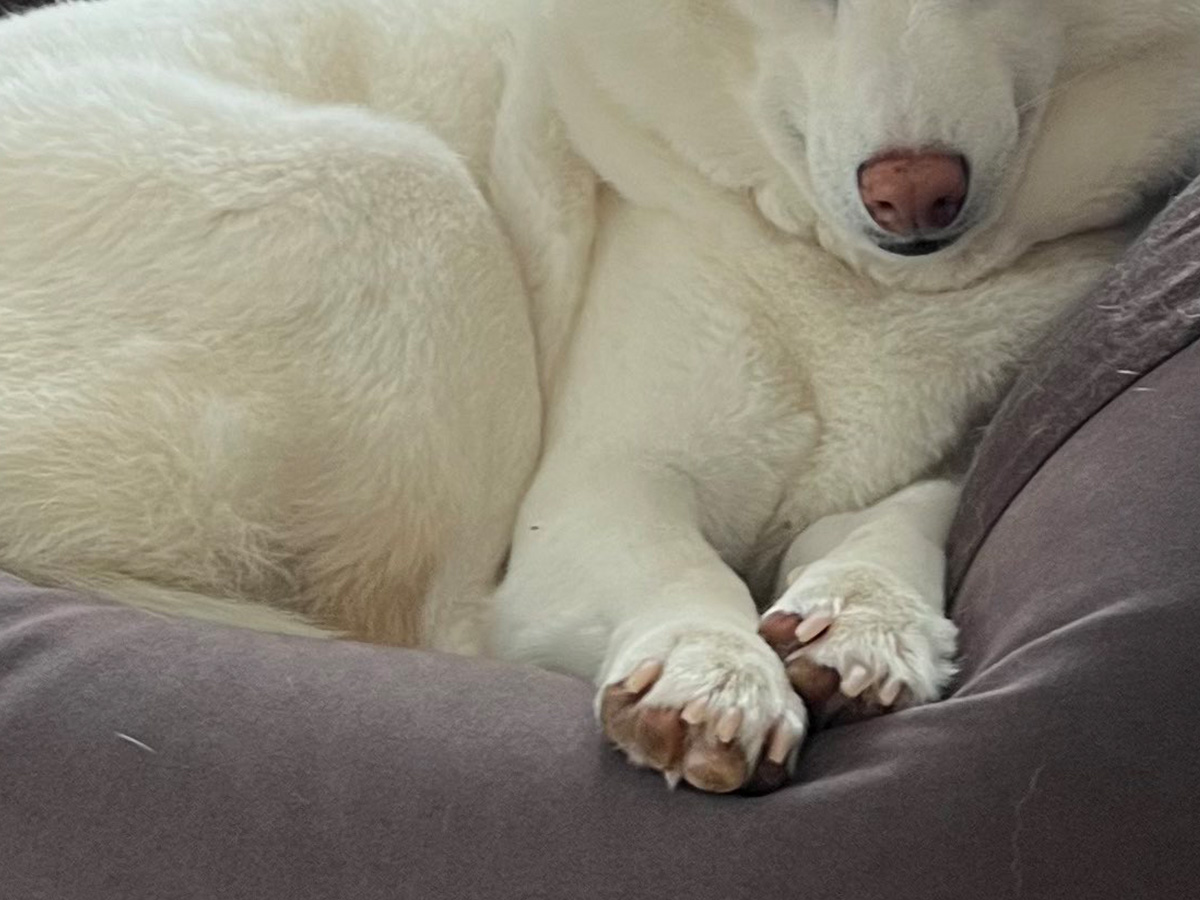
285, 288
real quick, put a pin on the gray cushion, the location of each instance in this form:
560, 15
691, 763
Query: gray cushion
1148, 309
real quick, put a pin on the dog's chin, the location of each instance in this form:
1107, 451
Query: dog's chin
926, 265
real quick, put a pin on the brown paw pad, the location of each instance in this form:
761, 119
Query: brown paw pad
651, 736
715, 767
779, 631
832, 699
829, 695
817, 684
694, 743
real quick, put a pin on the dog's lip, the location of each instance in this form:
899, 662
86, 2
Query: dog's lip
920, 246
915, 248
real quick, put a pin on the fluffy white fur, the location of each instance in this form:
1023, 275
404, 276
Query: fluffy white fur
294, 295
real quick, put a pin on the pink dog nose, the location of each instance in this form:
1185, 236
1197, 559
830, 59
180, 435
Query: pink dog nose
906, 192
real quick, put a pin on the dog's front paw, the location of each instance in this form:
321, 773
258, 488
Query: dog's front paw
856, 640
712, 707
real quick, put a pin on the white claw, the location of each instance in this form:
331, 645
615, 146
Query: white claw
891, 692
643, 676
856, 682
783, 742
727, 727
695, 712
812, 627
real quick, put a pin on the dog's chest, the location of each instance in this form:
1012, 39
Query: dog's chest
881, 377
725, 356
786, 386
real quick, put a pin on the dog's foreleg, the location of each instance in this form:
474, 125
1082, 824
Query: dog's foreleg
616, 581
861, 613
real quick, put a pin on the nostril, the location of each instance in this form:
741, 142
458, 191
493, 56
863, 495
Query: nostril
944, 211
889, 217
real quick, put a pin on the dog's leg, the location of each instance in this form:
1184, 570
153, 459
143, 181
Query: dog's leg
254, 349
611, 578
861, 621
546, 196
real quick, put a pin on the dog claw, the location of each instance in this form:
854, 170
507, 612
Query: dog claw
890, 692
727, 727
783, 741
695, 712
856, 682
643, 676
812, 627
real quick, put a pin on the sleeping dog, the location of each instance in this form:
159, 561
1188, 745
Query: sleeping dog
325, 315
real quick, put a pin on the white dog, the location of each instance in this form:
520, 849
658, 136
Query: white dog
295, 295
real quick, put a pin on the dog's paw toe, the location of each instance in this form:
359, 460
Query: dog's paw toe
713, 710
856, 641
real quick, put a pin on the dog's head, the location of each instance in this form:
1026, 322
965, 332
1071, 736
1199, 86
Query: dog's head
902, 120
900, 130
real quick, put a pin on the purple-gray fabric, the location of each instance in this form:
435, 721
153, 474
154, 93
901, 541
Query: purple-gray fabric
1148, 308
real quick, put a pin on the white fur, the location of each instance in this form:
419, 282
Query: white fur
293, 293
